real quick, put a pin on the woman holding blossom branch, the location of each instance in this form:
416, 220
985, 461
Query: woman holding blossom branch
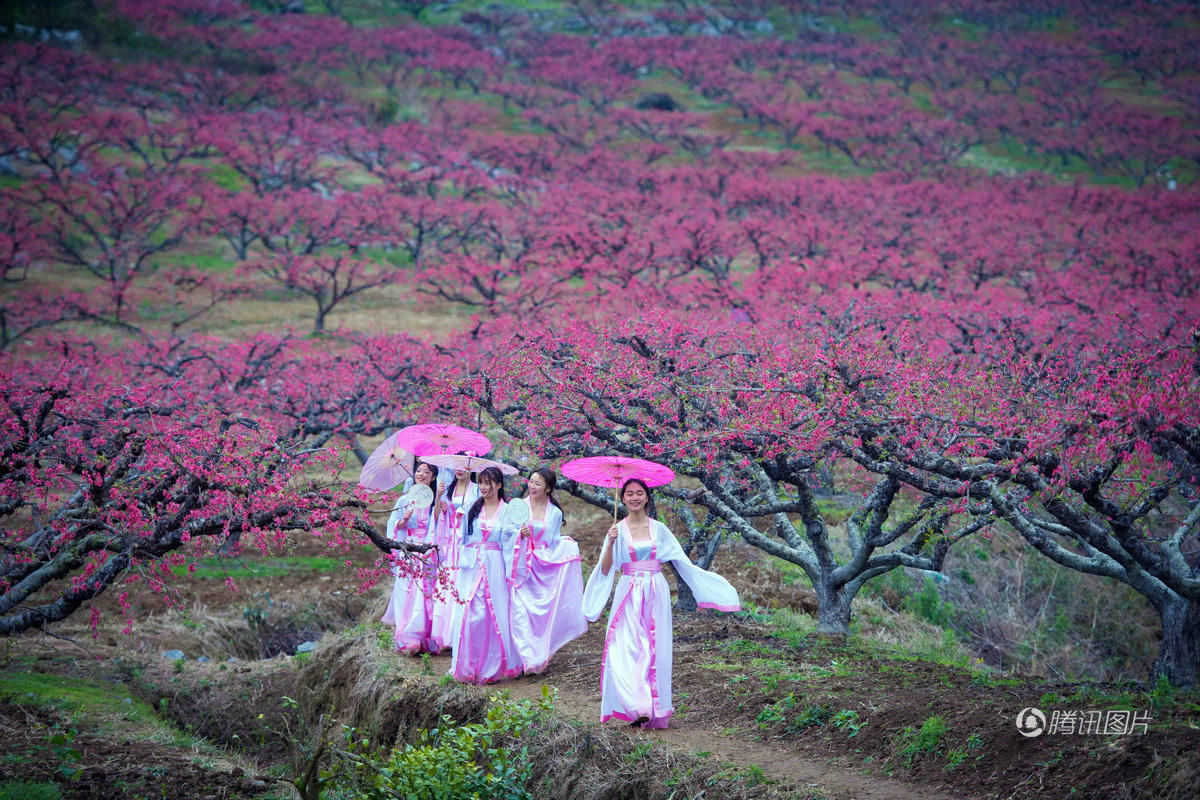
414, 596
635, 671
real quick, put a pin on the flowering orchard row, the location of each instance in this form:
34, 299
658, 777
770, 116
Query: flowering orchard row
115, 179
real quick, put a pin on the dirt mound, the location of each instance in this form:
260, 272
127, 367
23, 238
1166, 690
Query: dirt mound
41, 746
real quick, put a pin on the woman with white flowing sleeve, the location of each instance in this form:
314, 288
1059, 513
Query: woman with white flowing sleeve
483, 646
635, 671
547, 582
411, 608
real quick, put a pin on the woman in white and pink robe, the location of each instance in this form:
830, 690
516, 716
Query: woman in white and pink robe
455, 499
547, 582
483, 645
411, 607
635, 672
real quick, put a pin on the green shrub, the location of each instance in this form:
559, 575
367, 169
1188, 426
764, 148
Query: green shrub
813, 715
454, 762
926, 739
847, 720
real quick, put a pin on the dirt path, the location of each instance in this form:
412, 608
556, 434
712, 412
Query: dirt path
573, 673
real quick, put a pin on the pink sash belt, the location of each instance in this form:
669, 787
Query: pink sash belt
650, 565
485, 545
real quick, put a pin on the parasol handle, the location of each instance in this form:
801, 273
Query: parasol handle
615, 490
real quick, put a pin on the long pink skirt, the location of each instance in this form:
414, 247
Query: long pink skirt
483, 646
411, 609
445, 602
635, 674
547, 600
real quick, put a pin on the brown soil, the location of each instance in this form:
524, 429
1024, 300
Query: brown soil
104, 768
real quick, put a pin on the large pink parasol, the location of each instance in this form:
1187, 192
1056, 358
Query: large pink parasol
387, 466
435, 438
469, 463
613, 471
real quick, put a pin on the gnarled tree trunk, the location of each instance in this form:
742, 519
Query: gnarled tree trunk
1179, 653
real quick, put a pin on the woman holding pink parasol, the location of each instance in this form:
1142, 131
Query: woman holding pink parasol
547, 584
411, 607
635, 671
483, 645
454, 500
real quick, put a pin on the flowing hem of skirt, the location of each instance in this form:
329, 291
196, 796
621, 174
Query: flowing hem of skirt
719, 607
505, 675
413, 647
653, 722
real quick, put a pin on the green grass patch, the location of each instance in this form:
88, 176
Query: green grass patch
833, 511
217, 568
25, 790
226, 177
103, 708
105, 705
746, 647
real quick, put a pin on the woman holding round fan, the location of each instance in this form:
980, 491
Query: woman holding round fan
411, 607
546, 579
483, 645
635, 672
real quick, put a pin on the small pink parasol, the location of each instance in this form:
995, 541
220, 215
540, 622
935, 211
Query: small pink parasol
434, 438
613, 471
469, 463
387, 466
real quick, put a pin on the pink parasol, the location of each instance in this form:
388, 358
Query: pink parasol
613, 471
469, 463
387, 466
435, 438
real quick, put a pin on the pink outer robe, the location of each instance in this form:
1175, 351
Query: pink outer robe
446, 609
411, 607
635, 672
483, 646
547, 591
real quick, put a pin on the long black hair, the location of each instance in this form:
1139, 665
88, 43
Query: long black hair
492, 475
448, 495
432, 484
651, 511
551, 481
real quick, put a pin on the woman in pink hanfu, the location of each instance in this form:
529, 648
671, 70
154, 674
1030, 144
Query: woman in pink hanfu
635, 672
455, 500
483, 646
411, 608
547, 582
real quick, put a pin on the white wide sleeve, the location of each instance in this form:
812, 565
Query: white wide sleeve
709, 588
599, 586
468, 563
554, 523
394, 519
506, 534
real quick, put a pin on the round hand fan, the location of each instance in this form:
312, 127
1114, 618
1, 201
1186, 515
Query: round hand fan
516, 513
419, 496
